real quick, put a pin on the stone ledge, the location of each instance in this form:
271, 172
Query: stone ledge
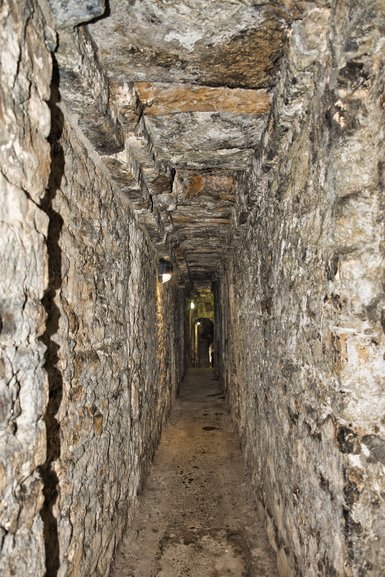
160, 99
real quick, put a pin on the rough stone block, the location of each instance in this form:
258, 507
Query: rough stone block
70, 13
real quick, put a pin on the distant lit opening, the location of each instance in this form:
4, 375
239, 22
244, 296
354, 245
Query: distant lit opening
200, 308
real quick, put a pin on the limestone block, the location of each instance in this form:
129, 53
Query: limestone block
69, 13
162, 99
228, 44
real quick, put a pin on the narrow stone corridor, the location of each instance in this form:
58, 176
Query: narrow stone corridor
188, 184
196, 516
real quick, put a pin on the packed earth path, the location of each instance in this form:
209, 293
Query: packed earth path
197, 516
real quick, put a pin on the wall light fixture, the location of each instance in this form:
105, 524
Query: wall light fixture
164, 270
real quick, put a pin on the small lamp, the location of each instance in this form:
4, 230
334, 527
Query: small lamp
164, 270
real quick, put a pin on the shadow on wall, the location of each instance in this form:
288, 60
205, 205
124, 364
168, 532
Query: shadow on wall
55, 380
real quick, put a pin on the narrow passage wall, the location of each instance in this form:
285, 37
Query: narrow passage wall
25, 77
118, 336
302, 301
91, 344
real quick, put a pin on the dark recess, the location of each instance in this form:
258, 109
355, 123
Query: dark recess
55, 380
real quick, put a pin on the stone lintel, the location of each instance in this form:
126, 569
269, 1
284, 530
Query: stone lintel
190, 185
161, 99
203, 220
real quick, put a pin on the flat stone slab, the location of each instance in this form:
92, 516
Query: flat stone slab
221, 42
161, 99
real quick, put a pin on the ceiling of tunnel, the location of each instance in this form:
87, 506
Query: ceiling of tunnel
188, 85
216, 43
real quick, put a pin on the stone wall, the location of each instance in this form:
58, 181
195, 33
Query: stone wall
25, 75
118, 356
302, 321
80, 299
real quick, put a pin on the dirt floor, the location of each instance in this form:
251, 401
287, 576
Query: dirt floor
195, 517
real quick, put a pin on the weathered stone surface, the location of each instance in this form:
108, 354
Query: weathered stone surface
282, 206
190, 184
233, 44
302, 342
25, 76
72, 461
25, 73
228, 539
159, 99
193, 83
203, 131
69, 13
128, 106
187, 126
85, 90
231, 159
113, 403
